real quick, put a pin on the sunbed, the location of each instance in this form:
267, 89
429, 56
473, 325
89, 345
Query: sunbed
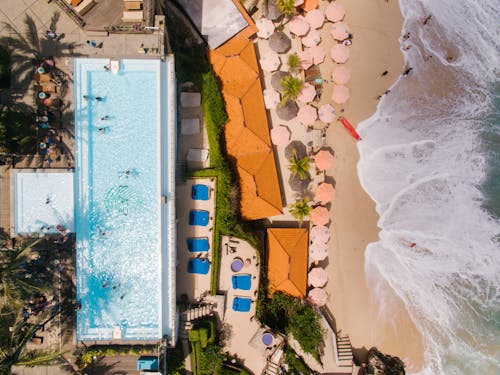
198, 244
200, 192
243, 282
198, 217
241, 304
198, 266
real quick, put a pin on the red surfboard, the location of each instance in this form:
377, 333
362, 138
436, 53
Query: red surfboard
350, 129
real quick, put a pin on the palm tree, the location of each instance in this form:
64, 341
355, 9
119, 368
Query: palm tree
17, 135
31, 49
15, 285
291, 88
300, 209
287, 7
15, 333
299, 167
293, 62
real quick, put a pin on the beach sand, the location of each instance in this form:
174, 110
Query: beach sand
376, 26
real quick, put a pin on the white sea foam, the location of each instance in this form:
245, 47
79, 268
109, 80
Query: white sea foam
422, 161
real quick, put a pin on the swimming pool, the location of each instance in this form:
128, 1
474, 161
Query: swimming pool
125, 236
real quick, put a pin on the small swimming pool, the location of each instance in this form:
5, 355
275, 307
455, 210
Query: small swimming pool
125, 245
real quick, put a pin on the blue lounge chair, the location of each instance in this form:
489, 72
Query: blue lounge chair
200, 192
198, 266
243, 282
241, 304
198, 244
198, 217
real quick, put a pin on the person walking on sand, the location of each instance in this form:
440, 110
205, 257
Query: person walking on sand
427, 19
406, 36
407, 71
384, 73
92, 43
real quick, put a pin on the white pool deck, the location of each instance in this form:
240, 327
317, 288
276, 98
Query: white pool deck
42, 200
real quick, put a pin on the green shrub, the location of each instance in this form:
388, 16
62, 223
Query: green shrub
175, 360
211, 360
86, 355
296, 364
203, 337
194, 335
4, 68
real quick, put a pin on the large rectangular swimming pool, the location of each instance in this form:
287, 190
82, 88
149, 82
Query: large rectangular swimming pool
123, 263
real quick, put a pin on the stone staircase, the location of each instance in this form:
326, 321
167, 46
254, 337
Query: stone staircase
344, 351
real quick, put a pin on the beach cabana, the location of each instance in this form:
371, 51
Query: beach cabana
317, 277
287, 260
340, 94
326, 113
323, 159
315, 18
318, 296
341, 75
265, 27
307, 94
198, 266
198, 218
242, 282
319, 233
241, 304
198, 244
335, 12
320, 216
324, 193
200, 192
307, 115
340, 31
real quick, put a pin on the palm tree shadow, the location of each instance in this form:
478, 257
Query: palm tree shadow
29, 50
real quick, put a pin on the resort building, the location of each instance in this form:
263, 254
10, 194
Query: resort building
125, 208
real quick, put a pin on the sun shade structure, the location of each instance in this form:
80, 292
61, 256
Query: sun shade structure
307, 94
197, 244
317, 53
306, 59
335, 11
323, 159
280, 135
341, 75
318, 296
318, 251
307, 115
340, 94
242, 282
279, 42
324, 193
270, 62
340, 53
326, 113
319, 233
315, 18
287, 260
311, 39
320, 216
241, 304
340, 31
317, 277
198, 266
265, 27
271, 98
246, 132
298, 26
309, 5
287, 111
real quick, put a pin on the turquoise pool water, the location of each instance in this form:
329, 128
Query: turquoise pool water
118, 213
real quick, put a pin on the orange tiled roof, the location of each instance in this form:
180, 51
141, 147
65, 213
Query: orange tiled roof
287, 260
247, 132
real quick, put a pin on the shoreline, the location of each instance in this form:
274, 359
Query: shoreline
376, 27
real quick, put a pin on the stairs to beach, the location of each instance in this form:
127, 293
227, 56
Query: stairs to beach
344, 351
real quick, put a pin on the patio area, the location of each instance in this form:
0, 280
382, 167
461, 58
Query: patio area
195, 284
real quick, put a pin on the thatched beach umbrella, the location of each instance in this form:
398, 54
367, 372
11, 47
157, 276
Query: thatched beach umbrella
298, 184
271, 11
280, 42
295, 148
307, 94
319, 234
287, 111
276, 80
280, 135
317, 277
265, 27
318, 296
324, 193
271, 98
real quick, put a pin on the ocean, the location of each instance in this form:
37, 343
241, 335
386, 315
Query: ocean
430, 159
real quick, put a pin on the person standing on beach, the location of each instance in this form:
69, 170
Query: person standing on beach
384, 73
92, 43
407, 71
